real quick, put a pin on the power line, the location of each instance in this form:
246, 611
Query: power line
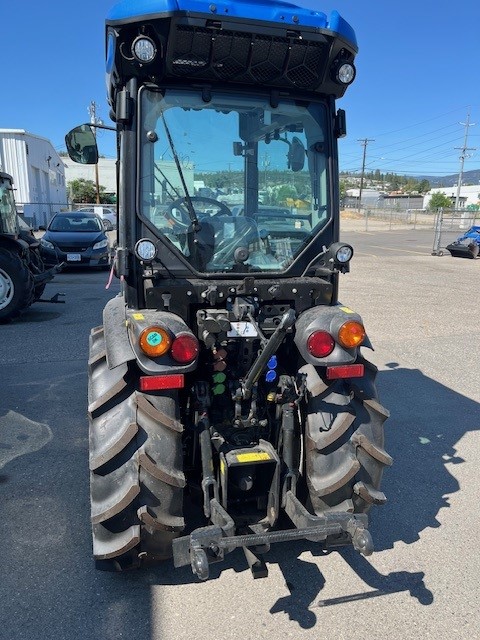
463, 155
411, 126
92, 110
364, 142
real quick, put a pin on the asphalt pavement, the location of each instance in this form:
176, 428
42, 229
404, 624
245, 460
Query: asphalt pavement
421, 314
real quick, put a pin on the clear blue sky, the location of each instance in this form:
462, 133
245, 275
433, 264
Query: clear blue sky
418, 74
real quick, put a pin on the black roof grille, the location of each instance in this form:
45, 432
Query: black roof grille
211, 55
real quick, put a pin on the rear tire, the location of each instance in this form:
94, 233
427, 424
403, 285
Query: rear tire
16, 285
344, 445
37, 266
136, 479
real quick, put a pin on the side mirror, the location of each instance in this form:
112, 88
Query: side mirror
82, 145
296, 155
237, 149
340, 124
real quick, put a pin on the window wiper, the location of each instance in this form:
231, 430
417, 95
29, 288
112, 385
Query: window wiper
190, 207
167, 182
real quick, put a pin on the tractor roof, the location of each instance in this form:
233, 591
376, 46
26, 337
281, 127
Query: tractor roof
298, 14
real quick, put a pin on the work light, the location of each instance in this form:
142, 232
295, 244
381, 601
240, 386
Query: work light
145, 250
144, 49
345, 73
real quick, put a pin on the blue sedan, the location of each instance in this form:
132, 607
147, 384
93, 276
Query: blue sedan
77, 239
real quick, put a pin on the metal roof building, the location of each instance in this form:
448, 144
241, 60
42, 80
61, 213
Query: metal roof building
38, 174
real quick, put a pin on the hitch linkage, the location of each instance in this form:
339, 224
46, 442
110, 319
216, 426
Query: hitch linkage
209, 544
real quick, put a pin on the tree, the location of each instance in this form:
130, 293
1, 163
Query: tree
424, 186
283, 192
82, 191
438, 201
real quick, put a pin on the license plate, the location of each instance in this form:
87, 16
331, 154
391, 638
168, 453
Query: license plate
74, 257
242, 330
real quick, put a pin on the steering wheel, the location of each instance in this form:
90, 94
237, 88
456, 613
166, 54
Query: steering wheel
183, 222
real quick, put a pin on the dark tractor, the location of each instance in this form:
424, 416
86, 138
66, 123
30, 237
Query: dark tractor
229, 402
23, 276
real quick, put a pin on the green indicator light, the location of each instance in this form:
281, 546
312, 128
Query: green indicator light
154, 338
219, 378
218, 389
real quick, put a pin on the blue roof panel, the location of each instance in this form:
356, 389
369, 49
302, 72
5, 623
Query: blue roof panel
302, 13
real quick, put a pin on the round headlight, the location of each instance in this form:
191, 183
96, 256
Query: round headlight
144, 49
145, 250
344, 254
345, 73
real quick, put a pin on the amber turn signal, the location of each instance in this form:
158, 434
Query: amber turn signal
154, 341
351, 334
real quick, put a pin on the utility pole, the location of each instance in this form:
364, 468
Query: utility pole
463, 155
364, 142
92, 110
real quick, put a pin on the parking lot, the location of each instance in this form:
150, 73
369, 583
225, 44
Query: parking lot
421, 314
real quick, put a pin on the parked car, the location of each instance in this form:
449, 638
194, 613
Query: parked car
76, 238
109, 216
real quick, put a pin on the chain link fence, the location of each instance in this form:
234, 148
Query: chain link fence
394, 219
39, 214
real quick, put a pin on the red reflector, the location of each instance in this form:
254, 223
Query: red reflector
345, 371
153, 383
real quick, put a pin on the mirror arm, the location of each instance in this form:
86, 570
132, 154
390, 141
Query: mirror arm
97, 126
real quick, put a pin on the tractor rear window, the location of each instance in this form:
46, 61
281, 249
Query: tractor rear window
234, 184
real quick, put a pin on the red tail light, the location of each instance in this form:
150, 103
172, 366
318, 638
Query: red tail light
184, 348
320, 344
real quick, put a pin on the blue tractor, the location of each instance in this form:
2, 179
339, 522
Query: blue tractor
467, 245
230, 405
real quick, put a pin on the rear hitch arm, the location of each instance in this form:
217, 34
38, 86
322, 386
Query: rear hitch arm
270, 348
209, 544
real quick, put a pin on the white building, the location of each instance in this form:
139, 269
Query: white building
167, 180
106, 173
469, 195
37, 171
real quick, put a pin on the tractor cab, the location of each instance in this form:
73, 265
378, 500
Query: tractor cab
8, 211
219, 118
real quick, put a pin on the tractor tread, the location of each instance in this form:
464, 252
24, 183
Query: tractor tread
113, 492
344, 444
107, 545
136, 463
369, 493
114, 430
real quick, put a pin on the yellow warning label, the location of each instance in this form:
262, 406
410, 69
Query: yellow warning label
255, 456
346, 309
222, 467
138, 316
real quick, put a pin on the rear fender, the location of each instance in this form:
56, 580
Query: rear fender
13, 244
327, 319
122, 329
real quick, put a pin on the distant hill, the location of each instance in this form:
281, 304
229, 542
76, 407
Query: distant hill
469, 177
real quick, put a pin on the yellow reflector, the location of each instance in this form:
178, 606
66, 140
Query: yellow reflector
255, 456
351, 334
154, 341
